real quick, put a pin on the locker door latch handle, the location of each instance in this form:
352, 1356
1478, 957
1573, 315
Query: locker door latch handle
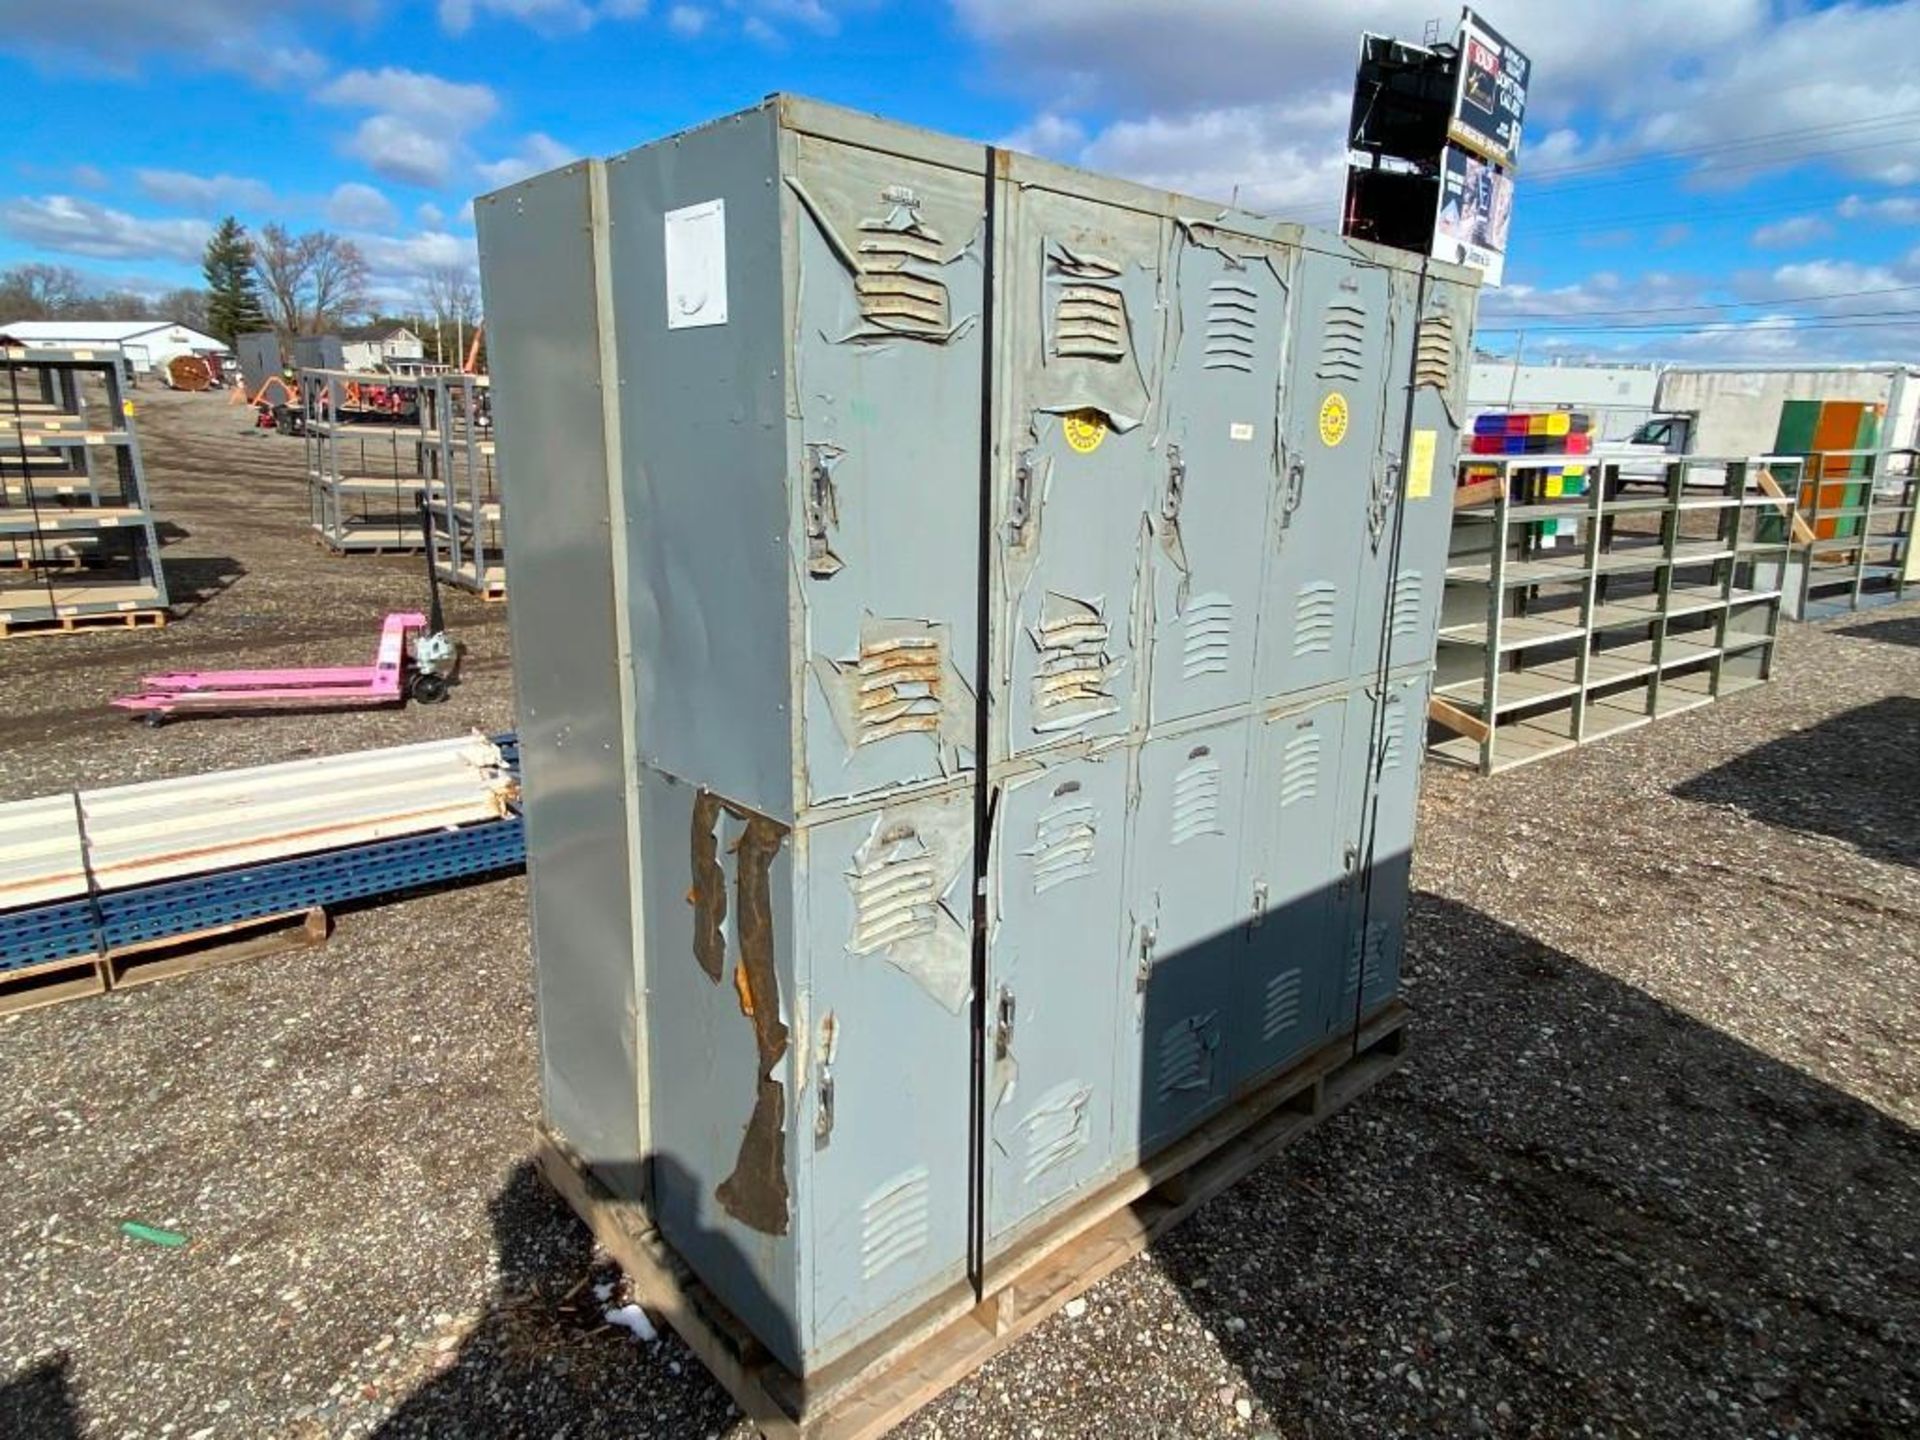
1386, 484
1296, 488
1021, 501
1349, 858
1176, 484
1148, 939
823, 509
1003, 1027
823, 1110
1258, 914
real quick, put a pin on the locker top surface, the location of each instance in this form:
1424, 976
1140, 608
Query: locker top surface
873, 132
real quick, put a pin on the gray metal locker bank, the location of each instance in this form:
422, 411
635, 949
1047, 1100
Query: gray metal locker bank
972, 627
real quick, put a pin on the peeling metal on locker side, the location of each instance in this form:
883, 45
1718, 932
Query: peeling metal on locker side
709, 893
904, 881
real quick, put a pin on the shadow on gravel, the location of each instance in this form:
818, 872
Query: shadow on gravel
1901, 630
193, 581
1577, 1211
542, 1361
1855, 777
40, 1403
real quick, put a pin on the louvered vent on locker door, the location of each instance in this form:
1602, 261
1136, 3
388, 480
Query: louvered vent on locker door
1300, 768
1186, 1055
1233, 315
1207, 648
899, 686
1433, 352
1090, 322
1393, 740
1315, 609
1367, 970
1407, 591
893, 1222
892, 295
1075, 679
1282, 1010
895, 894
1196, 798
1343, 341
1056, 1128
1064, 840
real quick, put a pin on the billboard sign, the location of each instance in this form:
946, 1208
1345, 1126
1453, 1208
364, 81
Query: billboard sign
1490, 98
1476, 210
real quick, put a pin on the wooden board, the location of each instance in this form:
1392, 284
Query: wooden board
21, 627
885, 1380
32, 986
153, 960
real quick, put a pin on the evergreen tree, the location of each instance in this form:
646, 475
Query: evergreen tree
233, 296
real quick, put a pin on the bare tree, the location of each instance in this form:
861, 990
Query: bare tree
449, 295
309, 282
41, 292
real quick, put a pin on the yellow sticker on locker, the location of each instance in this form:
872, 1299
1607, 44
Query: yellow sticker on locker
1333, 419
1085, 429
1420, 464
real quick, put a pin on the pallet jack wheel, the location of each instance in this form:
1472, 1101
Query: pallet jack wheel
154, 719
428, 689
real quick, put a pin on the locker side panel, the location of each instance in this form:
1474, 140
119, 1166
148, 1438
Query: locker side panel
723, 976
1230, 297
887, 347
1287, 983
886, 1060
1441, 360
540, 277
1058, 984
1187, 924
1330, 473
1079, 466
703, 410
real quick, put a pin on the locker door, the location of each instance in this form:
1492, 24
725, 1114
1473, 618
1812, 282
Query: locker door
1186, 918
1384, 504
883, 1047
1218, 471
1055, 970
1287, 985
1084, 336
1439, 400
1330, 473
886, 501
1376, 913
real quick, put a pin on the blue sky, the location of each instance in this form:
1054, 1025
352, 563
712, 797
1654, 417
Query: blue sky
1703, 178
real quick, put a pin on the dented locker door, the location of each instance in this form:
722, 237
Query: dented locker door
1217, 472
1287, 982
1384, 594
887, 374
1440, 363
1328, 509
1388, 755
883, 1053
1187, 917
1054, 974
1083, 327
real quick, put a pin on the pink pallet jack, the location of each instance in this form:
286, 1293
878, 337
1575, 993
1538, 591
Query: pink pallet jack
417, 658
403, 666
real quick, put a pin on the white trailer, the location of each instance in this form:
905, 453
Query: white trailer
1735, 410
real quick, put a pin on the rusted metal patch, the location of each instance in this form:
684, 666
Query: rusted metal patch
1075, 680
709, 893
903, 682
756, 1192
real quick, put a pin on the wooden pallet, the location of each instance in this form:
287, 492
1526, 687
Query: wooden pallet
82, 975
883, 1381
21, 629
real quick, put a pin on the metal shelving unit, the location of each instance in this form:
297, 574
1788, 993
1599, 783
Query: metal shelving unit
367, 448
1660, 604
463, 488
77, 536
1854, 548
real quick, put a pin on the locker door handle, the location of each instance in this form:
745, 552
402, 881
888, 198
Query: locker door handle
1296, 489
1021, 501
823, 509
1003, 1028
1386, 484
1257, 916
823, 1110
1349, 859
1176, 484
1144, 968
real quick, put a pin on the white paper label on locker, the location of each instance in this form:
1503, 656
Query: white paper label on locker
696, 239
1239, 430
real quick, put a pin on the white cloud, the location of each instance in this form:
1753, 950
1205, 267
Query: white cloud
205, 193
536, 152
360, 207
549, 17
409, 257
117, 36
401, 150
687, 21
89, 177
1048, 134
75, 226
430, 215
1792, 233
761, 33
1888, 209
428, 99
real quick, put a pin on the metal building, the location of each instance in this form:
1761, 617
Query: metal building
898, 521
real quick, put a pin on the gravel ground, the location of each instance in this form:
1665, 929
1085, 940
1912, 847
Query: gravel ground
1652, 1169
